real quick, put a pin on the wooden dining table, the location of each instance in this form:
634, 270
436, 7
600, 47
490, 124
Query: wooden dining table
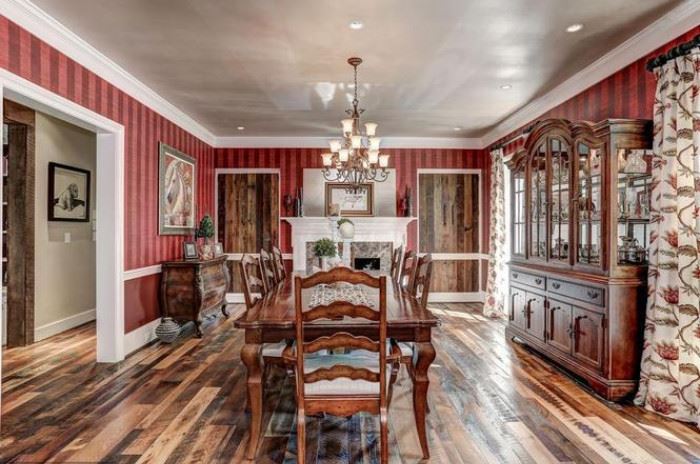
271, 320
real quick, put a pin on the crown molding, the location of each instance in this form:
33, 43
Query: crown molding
677, 21
322, 142
36, 21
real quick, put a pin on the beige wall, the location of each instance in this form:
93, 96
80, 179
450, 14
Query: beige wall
65, 272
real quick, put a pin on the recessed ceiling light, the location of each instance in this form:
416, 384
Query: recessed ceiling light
456, 129
506, 86
574, 27
241, 128
356, 25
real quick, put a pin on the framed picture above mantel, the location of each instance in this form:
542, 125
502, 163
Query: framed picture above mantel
345, 200
176, 191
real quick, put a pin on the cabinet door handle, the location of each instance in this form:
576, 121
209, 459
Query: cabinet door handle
570, 331
538, 281
556, 285
555, 308
515, 275
592, 294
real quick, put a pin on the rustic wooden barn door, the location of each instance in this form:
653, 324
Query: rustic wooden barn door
248, 215
449, 228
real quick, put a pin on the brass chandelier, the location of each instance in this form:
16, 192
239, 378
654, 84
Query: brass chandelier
355, 159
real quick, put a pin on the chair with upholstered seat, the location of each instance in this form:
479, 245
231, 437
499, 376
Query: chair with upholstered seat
396, 263
267, 268
345, 384
278, 262
421, 291
254, 289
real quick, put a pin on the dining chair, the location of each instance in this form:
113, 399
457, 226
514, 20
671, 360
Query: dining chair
396, 263
408, 271
341, 384
421, 291
279, 264
253, 290
267, 270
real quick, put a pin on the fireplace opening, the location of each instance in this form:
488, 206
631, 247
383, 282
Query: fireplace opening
368, 264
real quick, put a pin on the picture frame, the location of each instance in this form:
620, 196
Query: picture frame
68, 193
189, 250
218, 249
343, 200
177, 177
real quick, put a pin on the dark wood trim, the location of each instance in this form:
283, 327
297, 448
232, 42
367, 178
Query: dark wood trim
20, 212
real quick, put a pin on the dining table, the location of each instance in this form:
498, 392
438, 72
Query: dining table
272, 320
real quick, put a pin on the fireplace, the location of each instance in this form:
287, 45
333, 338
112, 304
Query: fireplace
368, 264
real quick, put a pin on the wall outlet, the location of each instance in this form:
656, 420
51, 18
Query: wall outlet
66, 237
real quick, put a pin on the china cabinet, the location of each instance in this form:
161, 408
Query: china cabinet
580, 196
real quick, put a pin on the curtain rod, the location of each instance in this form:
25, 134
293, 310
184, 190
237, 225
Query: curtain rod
680, 50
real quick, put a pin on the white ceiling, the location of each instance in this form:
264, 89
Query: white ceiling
279, 67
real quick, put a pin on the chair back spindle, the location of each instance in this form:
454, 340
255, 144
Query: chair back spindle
267, 270
279, 264
422, 279
408, 271
396, 263
252, 284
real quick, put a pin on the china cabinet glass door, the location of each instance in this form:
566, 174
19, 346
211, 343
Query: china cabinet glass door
519, 212
538, 204
589, 178
560, 162
633, 199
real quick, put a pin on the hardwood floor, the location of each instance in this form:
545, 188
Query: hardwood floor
491, 402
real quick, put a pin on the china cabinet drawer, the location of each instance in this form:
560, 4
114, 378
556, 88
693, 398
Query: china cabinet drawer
527, 279
579, 292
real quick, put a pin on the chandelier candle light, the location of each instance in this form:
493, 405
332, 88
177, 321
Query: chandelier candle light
355, 159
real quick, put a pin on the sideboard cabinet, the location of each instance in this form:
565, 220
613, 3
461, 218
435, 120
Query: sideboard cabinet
192, 288
580, 195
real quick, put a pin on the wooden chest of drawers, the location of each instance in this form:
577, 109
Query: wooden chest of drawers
192, 288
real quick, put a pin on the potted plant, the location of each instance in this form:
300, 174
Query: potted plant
206, 231
346, 228
323, 249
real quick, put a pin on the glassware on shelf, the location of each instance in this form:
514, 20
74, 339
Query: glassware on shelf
635, 162
630, 251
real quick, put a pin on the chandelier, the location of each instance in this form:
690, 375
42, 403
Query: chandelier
355, 158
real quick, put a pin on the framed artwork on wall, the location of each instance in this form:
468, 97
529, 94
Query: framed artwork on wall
176, 192
344, 200
69, 193
190, 250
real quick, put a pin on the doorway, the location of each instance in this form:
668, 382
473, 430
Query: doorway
109, 208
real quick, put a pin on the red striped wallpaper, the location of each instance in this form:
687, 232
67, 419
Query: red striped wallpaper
25, 55
292, 161
629, 93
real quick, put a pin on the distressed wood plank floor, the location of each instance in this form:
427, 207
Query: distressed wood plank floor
492, 401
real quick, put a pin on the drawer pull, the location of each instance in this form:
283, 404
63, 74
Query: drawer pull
555, 308
556, 285
538, 281
592, 294
515, 275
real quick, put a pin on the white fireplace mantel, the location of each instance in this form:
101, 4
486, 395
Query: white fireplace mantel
367, 229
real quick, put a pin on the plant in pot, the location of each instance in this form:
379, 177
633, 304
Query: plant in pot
346, 228
325, 248
206, 231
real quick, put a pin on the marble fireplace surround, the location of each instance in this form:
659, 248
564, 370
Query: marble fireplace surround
374, 237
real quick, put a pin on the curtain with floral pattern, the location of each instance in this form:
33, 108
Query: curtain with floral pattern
496, 284
670, 369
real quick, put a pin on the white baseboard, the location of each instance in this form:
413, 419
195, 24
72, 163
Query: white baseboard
140, 337
56, 327
454, 297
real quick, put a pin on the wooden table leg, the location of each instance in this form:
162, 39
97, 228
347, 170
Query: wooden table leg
423, 356
251, 355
